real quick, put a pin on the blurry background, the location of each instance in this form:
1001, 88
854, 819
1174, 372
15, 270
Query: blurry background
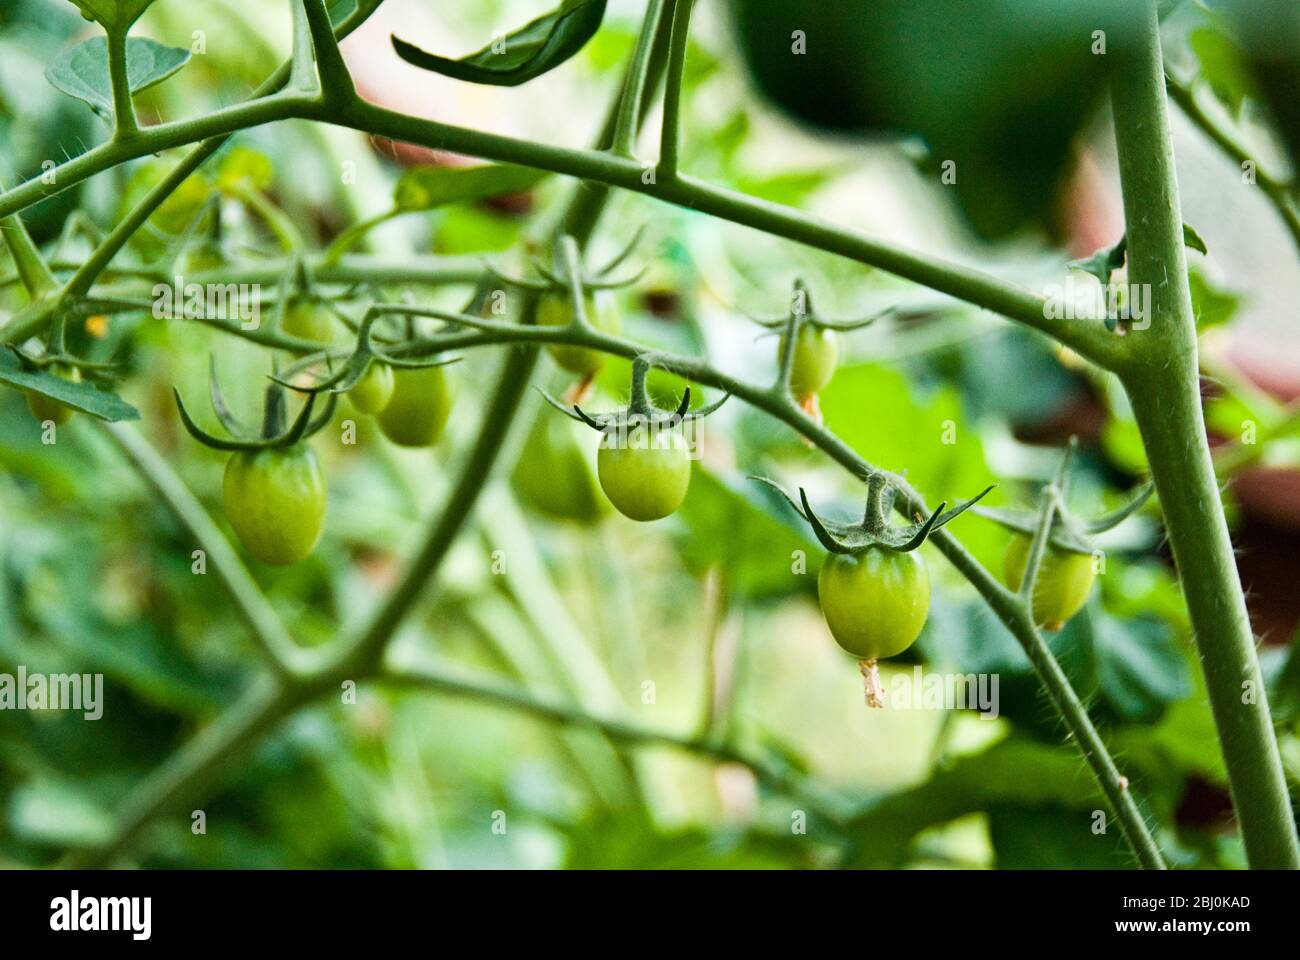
695, 626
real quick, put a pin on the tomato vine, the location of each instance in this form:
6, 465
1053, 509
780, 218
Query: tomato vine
316, 85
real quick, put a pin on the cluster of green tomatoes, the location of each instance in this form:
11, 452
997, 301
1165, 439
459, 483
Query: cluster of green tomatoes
873, 588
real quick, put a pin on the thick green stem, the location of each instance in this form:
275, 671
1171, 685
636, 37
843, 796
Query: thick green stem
679, 14
124, 122
1162, 380
30, 266
335, 80
628, 121
1168, 410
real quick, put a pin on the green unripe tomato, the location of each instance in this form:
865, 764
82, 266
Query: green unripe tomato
275, 499
1063, 583
556, 310
420, 406
875, 602
308, 320
816, 352
556, 471
372, 392
47, 408
645, 470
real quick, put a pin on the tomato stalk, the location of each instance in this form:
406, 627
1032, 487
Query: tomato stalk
124, 122
870, 669
1161, 376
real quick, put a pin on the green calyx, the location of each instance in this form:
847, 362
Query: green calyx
276, 432
875, 529
1068, 533
802, 313
359, 362
561, 278
640, 411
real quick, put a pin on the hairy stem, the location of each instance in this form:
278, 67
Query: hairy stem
1163, 385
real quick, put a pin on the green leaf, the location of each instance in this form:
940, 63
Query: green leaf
1223, 64
82, 71
1014, 770
516, 58
1052, 838
629, 838
113, 15
791, 188
1186, 733
423, 188
749, 536
1284, 688
472, 230
1193, 241
1211, 305
866, 405
1109, 259
80, 396
968, 635
1140, 669
49, 811
1104, 262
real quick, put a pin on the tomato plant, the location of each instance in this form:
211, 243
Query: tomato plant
420, 285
